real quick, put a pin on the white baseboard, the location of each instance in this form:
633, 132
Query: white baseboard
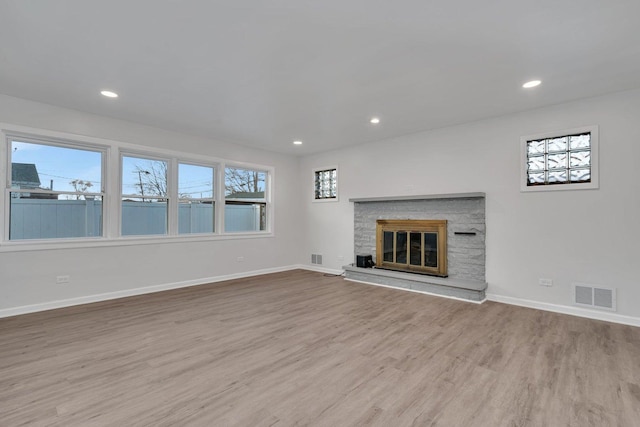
14, 311
574, 311
564, 309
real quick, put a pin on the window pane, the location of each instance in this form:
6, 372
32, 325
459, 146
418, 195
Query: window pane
244, 183
580, 141
535, 147
580, 175
557, 144
194, 184
50, 215
557, 161
144, 216
580, 159
557, 176
46, 216
567, 159
144, 192
326, 184
244, 217
142, 177
536, 163
195, 216
536, 178
55, 168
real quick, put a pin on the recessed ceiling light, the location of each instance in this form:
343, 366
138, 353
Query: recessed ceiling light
532, 83
374, 120
297, 142
109, 94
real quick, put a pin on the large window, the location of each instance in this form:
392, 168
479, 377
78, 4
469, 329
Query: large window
245, 200
561, 160
68, 189
196, 204
144, 196
55, 190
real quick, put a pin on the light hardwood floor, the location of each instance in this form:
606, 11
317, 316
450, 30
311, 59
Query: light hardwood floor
302, 348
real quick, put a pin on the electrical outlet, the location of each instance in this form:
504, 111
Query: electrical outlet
545, 282
240, 259
62, 279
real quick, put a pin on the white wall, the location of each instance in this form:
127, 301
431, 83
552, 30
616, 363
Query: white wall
588, 236
28, 277
583, 236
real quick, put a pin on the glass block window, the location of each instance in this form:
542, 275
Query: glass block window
326, 184
561, 159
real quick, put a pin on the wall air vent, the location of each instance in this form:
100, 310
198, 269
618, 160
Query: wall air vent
316, 259
594, 296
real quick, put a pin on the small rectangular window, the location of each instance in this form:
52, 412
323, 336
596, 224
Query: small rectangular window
326, 184
196, 203
55, 190
144, 196
245, 200
560, 160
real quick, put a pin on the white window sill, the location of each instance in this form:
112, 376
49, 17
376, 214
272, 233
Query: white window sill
559, 187
100, 242
326, 200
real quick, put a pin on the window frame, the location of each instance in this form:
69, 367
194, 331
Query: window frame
112, 186
266, 199
169, 199
594, 149
8, 136
313, 185
215, 177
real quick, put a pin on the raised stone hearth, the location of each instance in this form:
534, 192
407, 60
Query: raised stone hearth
459, 288
465, 252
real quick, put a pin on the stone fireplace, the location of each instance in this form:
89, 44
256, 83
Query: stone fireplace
441, 236
413, 245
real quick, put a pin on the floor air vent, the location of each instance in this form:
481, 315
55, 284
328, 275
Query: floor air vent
594, 297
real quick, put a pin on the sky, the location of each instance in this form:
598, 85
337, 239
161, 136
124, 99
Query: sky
58, 166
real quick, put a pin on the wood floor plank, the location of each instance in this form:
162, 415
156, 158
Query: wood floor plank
303, 348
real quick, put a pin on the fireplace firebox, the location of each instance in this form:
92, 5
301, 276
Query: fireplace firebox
417, 246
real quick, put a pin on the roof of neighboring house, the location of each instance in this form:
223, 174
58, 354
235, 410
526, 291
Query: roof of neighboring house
246, 195
25, 174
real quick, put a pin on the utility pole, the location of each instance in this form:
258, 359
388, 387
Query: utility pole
140, 172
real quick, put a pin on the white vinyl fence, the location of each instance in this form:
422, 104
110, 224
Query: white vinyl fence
45, 219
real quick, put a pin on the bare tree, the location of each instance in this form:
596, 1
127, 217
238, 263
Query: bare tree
81, 186
153, 179
242, 180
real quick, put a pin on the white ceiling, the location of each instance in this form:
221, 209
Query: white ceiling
263, 73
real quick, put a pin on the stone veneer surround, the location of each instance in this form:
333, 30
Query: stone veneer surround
466, 253
464, 212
